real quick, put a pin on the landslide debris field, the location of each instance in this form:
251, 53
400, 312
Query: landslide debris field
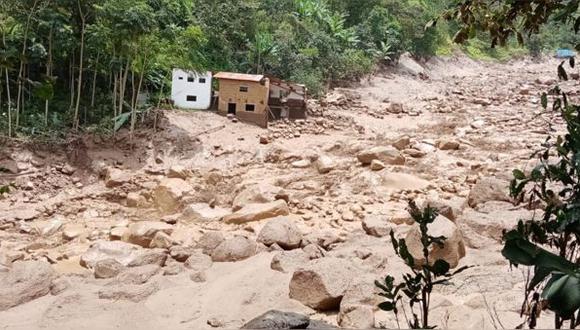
208, 223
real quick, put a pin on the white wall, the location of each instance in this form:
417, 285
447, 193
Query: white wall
182, 88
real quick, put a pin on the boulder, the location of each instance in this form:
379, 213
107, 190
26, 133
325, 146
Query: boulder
115, 177
181, 253
169, 193
448, 144
256, 212
488, 189
278, 320
161, 241
198, 261
125, 253
209, 241
402, 143
377, 226
201, 212
356, 317
234, 249
377, 165
24, 282
446, 208
136, 200
138, 275
321, 283
143, 232
304, 163
492, 224
72, 231
149, 257
130, 292
452, 250
255, 194
48, 228
282, 231
178, 172
108, 268
289, 261
325, 164
386, 154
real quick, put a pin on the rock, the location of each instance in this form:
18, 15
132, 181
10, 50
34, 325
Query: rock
180, 253
116, 233
136, 200
289, 261
108, 268
388, 155
376, 226
169, 193
325, 164
59, 286
234, 249
264, 139
138, 275
452, 250
256, 194
209, 241
200, 213
24, 282
377, 165
161, 241
256, 212
304, 163
448, 144
72, 231
178, 172
142, 233
446, 209
198, 261
198, 277
356, 317
402, 143
395, 108
48, 228
130, 292
67, 169
173, 269
278, 320
149, 257
282, 231
321, 283
488, 189
492, 224
116, 177
126, 254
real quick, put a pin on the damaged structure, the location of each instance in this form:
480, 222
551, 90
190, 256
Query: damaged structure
287, 100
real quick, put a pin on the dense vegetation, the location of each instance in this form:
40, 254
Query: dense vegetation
83, 63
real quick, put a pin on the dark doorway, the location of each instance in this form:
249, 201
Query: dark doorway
232, 108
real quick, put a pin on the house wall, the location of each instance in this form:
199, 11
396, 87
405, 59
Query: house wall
181, 88
257, 94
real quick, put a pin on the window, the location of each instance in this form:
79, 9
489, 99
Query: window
250, 107
180, 78
202, 80
191, 98
243, 89
190, 79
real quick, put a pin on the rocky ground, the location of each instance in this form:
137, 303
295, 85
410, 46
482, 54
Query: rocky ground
208, 223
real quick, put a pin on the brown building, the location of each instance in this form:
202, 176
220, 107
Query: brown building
287, 100
245, 96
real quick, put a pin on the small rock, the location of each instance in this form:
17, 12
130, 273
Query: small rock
179, 172
256, 212
325, 164
278, 320
209, 241
143, 232
198, 261
234, 249
161, 241
376, 226
108, 268
281, 231
198, 277
377, 165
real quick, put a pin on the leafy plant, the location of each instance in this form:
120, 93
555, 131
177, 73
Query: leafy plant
418, 285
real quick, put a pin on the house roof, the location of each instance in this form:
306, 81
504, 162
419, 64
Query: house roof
238, 76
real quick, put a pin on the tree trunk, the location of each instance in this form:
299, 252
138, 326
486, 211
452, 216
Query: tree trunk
9, 104
72, 82
94, 82
133, 112
48, 74
21, 69
114, 95
80, 77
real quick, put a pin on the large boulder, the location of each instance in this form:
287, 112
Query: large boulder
377, 226
289, 261
452, 250
115, 177
278, 320
282, 231
24, 282
143, 232
108, 268
256, 212
491, 224
488, 189
169, 193
386, 154
198, 261
200, 213
255, 194
209, 241
322, 282
234, 249
130, 292
125, 253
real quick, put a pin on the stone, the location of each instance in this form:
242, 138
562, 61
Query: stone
234, 249
281, 231
161, 241
376, 226
122, 252
488, 189
169, 193
129, 292
387, 154
493, 223
449, 210
198, 277
178, 172
448, 144
108, 268
356, 317
116, 177
116, 233
322, 282
136, 200
138, 275
256, 194
377, 165
452, 250
149, 257
202, 213
303, 163
289, 261
72, 231
198, 261
48, 228
264, 139
257, 212
325, 164
180, 253
143, 232
59, 286
274, 319
209, 241
24, 282
173, 269
402, 143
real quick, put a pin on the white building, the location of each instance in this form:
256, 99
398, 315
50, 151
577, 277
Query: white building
190, 90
